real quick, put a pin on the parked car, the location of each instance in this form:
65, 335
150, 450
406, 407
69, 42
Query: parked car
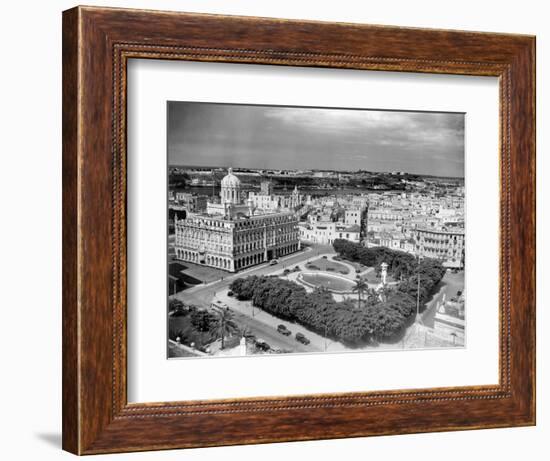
262, 345
284, 330
274, 261
301, 338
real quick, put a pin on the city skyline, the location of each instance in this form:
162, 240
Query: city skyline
284, 138
297, 230
236, 169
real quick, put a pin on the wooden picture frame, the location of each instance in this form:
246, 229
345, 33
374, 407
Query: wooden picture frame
97, 43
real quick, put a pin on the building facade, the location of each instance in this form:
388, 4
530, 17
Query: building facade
326, 232
445, 245
192, 203
268, 201
232, 235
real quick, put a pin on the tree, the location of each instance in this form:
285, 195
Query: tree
400, 263
175, 334
371, 297
225, 324
343, 321
202, 321
360, 287
174, 305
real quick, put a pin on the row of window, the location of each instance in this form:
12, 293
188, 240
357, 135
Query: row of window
266, 221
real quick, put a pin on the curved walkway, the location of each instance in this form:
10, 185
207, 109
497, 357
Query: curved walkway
351, 275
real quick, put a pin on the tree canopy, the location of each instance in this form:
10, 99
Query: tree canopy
400, 264
346, 321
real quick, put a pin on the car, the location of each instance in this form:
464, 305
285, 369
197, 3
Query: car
284, 330
262, 345
273, 262
301, 338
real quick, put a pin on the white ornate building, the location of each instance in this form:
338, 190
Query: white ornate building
447, 245
268, 201
233, 235
326, 232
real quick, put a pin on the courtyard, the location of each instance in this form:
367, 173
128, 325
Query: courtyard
325, 280
328, 264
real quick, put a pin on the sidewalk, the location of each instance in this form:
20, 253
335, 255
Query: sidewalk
245, 307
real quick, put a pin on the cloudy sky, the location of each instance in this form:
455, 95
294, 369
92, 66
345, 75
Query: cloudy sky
276, 137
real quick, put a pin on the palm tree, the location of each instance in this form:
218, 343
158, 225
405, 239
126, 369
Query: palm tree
226, 324
360, 286
371, 297
201, 320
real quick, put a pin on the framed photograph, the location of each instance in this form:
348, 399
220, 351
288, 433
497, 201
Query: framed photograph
284, 230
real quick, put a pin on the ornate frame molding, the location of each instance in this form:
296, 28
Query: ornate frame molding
98, 43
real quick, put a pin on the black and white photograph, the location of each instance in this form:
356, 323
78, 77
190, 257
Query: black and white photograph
275, 230
300, 230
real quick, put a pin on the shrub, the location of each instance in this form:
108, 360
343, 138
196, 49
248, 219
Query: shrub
400, 264
180, 312
174, 304
343, 321
197, 327
319, 312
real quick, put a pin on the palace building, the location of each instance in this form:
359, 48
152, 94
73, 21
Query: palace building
233, 234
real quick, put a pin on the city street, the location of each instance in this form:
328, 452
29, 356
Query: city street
202, 295
450, 284
264, 325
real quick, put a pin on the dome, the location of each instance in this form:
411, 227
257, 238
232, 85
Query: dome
230, 180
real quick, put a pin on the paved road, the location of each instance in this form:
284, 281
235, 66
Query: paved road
203, 295
271, 335
450, 284
262, 324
